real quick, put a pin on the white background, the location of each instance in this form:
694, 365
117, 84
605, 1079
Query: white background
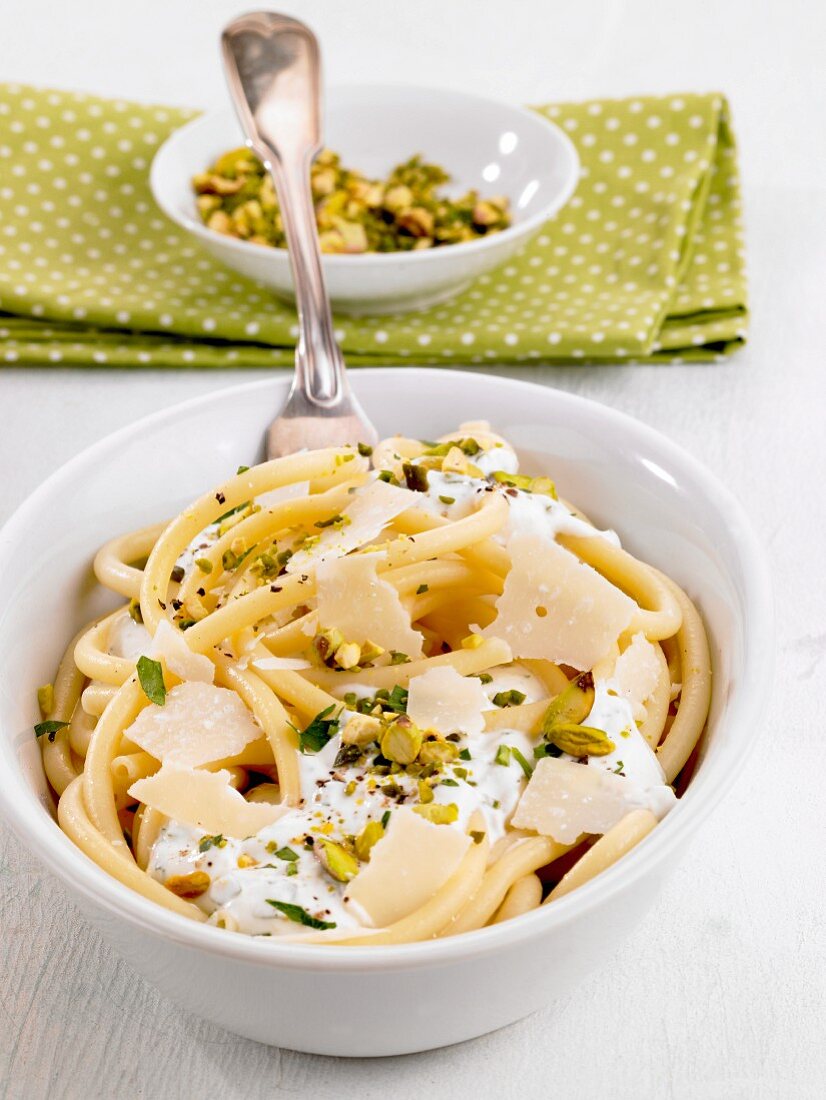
721, 991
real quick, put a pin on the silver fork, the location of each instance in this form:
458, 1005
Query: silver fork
273, 69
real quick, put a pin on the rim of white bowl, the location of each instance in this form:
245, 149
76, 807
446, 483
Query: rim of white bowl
38, 830
514, 232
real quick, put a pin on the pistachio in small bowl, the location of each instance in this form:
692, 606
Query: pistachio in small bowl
404, 212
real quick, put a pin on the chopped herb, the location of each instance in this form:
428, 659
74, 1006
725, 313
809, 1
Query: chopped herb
231, 560
185, 624
178, 574
204, 564
512, 698
315, 736
397, 658
299, 915
287, 854
618, 770
396, 700
49, 728
385, 817
350, 700
503, 756
150, 675
347, 755
415, 477
449, 783
241, 470
465, 755
135, 611
521, 761
338, 521
232, 511
447, 500
365, 450
207, 842
292, 869
420, 591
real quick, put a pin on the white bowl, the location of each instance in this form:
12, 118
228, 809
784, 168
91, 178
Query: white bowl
386, 1000
494, 147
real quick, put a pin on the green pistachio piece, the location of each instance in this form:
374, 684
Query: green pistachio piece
438, 813
372, 832
571, 706
401, 740
581, 740
438, 751
336, 861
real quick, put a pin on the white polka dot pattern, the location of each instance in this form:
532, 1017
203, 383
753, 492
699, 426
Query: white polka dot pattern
645, 263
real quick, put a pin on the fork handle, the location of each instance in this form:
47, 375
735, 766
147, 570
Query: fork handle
319, 366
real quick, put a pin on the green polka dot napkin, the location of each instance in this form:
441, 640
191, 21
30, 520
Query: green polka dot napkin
644, 263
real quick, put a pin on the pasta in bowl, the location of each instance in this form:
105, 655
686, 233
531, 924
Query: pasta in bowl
362, 697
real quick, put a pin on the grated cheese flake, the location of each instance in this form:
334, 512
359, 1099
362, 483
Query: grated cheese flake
443, 700
407, 866
353, 599
557, 608
198, 723
204, 800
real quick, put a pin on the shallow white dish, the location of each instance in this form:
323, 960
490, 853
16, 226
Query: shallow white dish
389, 1000
495, 147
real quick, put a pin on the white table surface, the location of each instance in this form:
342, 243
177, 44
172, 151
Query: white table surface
721, 991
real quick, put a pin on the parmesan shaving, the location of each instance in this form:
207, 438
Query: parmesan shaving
636, 673
170, 644
205, 800
442, 700
565, 800
555, 607
372, 508
407, 866
353, 599
198, 723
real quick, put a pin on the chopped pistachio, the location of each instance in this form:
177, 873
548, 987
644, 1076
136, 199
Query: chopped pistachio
401, 740
372, 832
435, 750
580, 740
361, 730
571, 706
189, 886
204, 564
511, 698
438, 813
135, 611
415, 477
403, 212
425, 791
45, 699
348, 655
336, 860
370, 652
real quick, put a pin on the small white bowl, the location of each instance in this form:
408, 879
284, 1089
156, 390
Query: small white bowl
381, 1000
494, 147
